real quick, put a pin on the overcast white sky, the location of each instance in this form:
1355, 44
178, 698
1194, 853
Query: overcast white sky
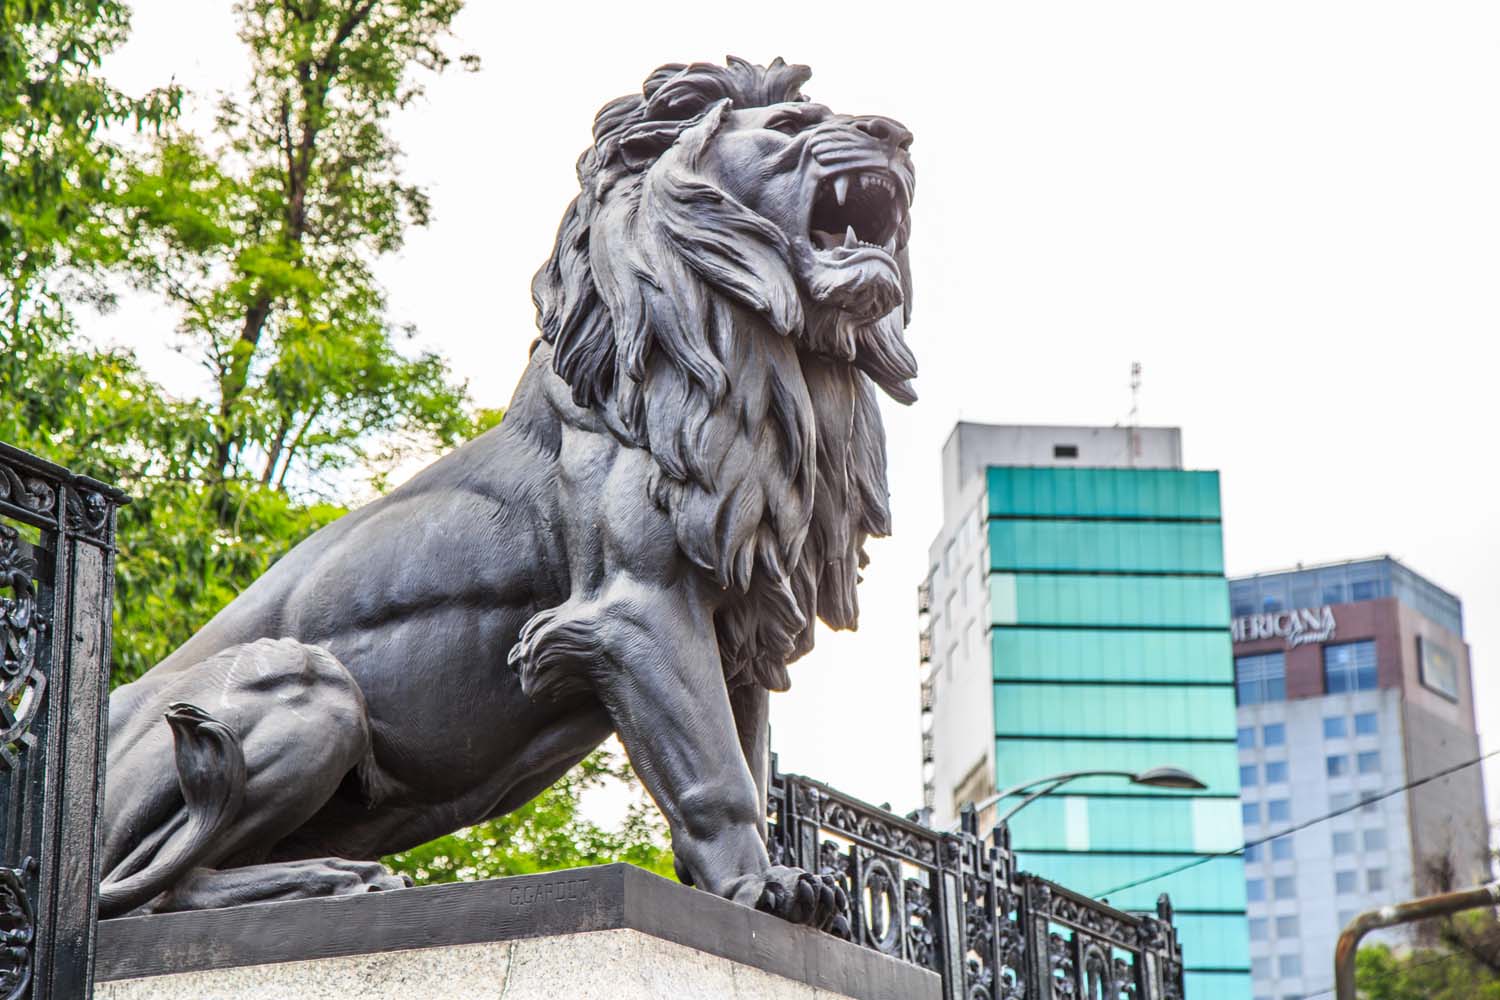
1289, 212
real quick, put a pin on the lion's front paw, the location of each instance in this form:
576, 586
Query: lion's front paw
798, 896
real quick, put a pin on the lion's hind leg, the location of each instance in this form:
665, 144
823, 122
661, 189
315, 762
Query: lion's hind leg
204, 791
206, 888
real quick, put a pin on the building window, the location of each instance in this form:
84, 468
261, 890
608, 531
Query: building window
1374, 840
1343, 842
1335, 728
1285, 887
1375, 880
1346, 917
1273, 735
1286, 927
1345, 883
1250, 813
1065, 451
1260, 967
1340, 801
1258, 928
1369, 762
1364, 590
1349, 666
1241, 598
1366, 724
1247, 775
1289, 965
1279, 811
1273, 595
1275, 772
1338, 765
1247, 737
1255, 890
1369, 804
1260, 678
1252, 853
1331, 582
1281, 849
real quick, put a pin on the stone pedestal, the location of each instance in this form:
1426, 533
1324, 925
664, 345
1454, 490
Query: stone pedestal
613, 932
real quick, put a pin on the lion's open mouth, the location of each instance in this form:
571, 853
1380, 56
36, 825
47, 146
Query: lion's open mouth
857, 208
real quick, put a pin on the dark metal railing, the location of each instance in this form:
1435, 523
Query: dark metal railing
954, 903
56, 594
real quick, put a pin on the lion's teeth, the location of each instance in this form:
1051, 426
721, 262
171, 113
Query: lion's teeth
850, 240
841, 187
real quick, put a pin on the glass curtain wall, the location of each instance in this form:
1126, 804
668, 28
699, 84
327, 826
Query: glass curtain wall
1109, 635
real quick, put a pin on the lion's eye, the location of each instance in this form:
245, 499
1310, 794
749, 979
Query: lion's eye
785, 124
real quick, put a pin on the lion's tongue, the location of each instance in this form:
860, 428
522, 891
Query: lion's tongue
825, 240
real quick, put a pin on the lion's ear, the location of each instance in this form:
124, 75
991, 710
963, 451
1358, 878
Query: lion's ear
641, 145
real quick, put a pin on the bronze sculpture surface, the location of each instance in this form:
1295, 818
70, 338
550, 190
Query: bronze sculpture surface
683, 482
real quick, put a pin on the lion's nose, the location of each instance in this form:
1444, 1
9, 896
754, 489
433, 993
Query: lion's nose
885, 129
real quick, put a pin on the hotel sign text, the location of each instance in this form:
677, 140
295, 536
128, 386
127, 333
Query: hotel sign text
1297, 627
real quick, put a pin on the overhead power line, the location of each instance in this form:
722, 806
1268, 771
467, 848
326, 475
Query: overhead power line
1295, 828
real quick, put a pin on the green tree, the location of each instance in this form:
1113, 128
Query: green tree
264, 236
62, 170
1423, 974
59, 167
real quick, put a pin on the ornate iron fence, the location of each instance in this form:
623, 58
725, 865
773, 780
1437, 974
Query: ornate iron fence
56, 592
954, 903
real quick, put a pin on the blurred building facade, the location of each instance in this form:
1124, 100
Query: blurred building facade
1353, 679
1076, 616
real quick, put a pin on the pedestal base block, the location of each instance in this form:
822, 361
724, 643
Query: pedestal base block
612, 933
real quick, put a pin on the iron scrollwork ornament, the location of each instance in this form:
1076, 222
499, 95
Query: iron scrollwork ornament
21, 684
28, 492
17, 935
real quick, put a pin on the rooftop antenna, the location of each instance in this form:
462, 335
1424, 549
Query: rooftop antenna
1135, 410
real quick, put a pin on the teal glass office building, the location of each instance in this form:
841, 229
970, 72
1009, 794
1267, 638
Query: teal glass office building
1102, 614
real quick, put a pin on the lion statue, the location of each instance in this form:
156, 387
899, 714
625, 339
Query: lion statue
684, 481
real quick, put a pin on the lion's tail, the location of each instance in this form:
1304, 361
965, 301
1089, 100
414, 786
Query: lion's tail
211, 774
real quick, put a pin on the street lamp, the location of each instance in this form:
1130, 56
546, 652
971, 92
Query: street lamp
1156, 777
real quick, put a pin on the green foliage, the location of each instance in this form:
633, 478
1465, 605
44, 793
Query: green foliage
264, 237
59, 170
547, 833
61, 174
1423, 974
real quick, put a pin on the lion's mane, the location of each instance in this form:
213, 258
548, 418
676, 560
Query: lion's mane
673, 311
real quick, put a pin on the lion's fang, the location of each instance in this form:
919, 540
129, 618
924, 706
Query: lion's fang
850, 240
841, 187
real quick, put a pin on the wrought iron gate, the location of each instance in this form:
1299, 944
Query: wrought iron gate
56, 593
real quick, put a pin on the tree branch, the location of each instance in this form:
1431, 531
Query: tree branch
291, 450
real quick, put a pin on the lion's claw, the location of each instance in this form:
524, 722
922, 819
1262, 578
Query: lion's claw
799, 897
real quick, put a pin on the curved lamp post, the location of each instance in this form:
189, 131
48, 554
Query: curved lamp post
1156, 777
